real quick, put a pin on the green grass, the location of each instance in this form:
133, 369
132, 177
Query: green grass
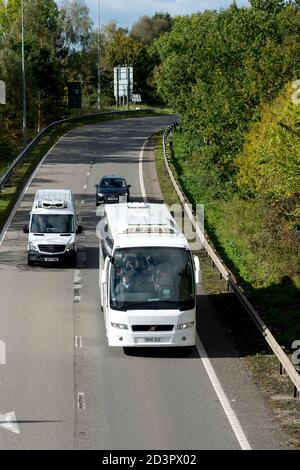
237, 229
170, 195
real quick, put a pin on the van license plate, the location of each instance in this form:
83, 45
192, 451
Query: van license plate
54, 260
152, 340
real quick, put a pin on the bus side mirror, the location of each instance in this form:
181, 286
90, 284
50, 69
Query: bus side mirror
104, 273
197, 270
26, 229
79, 229
104, 277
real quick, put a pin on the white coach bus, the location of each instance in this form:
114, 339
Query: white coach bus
147, 277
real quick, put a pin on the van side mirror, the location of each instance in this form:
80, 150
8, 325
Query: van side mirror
79, 229
26, 229
129, 186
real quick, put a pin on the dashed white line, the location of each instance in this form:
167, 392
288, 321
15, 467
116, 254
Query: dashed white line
81, 401
78, 342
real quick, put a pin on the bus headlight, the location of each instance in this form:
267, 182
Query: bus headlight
33, 247
120, 326
184, 326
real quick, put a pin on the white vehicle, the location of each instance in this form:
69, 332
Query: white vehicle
147, 277
53, 228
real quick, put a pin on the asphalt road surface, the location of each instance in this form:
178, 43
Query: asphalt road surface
68, 389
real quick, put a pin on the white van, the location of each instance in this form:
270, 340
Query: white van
53, 228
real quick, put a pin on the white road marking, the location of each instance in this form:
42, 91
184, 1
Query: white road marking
230, 414
78, 342
85, 187
81, 401
13, 212
9, 422
141, 157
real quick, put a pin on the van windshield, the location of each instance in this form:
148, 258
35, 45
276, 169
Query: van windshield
52, 223
152, 278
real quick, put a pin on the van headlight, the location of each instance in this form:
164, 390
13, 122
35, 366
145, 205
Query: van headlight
70, 247
184, 326
100, 194
120, 326
33, 247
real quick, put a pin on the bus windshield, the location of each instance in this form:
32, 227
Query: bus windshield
152, 278
52, 223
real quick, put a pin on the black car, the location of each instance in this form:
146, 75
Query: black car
111, 190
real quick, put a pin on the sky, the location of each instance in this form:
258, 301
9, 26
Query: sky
127, 12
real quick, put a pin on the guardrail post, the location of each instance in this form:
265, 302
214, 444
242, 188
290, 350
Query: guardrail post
281, 368
296, 391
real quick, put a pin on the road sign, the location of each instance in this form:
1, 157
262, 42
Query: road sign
74, 95
123, 82
136, 98
2, 92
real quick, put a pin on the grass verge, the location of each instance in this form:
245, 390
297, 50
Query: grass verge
263, 366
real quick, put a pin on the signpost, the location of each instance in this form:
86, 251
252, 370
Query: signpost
123, 84
74, 95
2, 92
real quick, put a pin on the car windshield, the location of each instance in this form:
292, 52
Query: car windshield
52, 223
113, 183
152, 278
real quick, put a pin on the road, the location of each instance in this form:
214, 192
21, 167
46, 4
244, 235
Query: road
66, 387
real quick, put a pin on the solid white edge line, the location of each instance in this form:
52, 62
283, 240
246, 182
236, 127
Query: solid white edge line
229, 412
231, 416
17, 204
141, 158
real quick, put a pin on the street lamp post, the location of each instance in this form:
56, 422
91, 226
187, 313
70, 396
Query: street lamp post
24, 79
99, 60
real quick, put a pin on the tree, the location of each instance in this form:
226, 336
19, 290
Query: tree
147, 29
268, 6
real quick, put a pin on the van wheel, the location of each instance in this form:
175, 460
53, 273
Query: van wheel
29, 262
73, 261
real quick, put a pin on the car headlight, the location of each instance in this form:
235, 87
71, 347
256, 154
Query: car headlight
33, 247
184, 326
120, 326
100, 194
70, 247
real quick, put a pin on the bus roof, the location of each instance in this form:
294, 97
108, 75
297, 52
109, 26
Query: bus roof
143, 224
